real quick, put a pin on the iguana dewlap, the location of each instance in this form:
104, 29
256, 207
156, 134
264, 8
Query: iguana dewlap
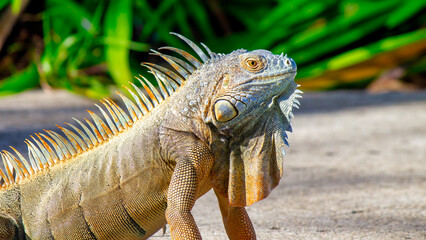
219, 124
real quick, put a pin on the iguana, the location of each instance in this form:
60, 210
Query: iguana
220, 123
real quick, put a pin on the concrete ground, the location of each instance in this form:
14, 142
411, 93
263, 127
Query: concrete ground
355, 169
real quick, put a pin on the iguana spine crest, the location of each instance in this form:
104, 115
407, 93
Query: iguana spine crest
48, 150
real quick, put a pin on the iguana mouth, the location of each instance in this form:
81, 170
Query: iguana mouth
274, 78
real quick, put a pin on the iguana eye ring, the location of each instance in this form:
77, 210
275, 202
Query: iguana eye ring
253, 64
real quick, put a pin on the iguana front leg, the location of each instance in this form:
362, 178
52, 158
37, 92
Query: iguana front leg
191, 168
236, 220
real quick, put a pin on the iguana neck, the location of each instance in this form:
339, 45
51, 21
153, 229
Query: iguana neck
192, 103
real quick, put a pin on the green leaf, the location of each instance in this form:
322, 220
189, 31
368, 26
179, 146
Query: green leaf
16, 6
286, 9
3, 3
361, 54
182, 20
64, 51
20, 81
71, 15
87, 40
154, 17
328, 45
121, 43
339, 26
118, 26
290, 24
401, 14
201, 17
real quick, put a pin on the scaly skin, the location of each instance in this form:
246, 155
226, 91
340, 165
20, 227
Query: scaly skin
224, 128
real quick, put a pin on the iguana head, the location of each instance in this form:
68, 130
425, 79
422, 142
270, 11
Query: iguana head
252, 80
252, 108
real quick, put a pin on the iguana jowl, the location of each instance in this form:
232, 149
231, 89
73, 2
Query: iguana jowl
218, 124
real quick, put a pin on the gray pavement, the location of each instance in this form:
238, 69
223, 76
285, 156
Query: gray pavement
355, 169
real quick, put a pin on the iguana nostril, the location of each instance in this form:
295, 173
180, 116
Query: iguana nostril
224, 111
288, 62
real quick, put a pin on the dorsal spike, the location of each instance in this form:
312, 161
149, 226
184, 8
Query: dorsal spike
46, 154
142, 107
178, 79
98, 137
76, 141
118, 119
23, 160
89, 133
32, 161
122, 116
4, 177
8, 176
182, 71
146, 102
160, 84
66, 147
71, 144
151, 99
59, 152
150, 89
126, 116
13, 161
100, 125
154, 90
212, 54
198, 50
20, 164
85, 143
186, 66
40, 156
164, 79
195, 62
131, 107
36, 155
110, 123
167, 79
52, 155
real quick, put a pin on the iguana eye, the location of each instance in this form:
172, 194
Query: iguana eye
253, 64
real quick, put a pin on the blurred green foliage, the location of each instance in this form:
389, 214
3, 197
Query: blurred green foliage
89, 47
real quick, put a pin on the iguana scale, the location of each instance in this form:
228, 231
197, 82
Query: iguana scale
220, 123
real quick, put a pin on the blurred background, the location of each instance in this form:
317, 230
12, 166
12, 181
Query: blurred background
357, 162
93, 48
